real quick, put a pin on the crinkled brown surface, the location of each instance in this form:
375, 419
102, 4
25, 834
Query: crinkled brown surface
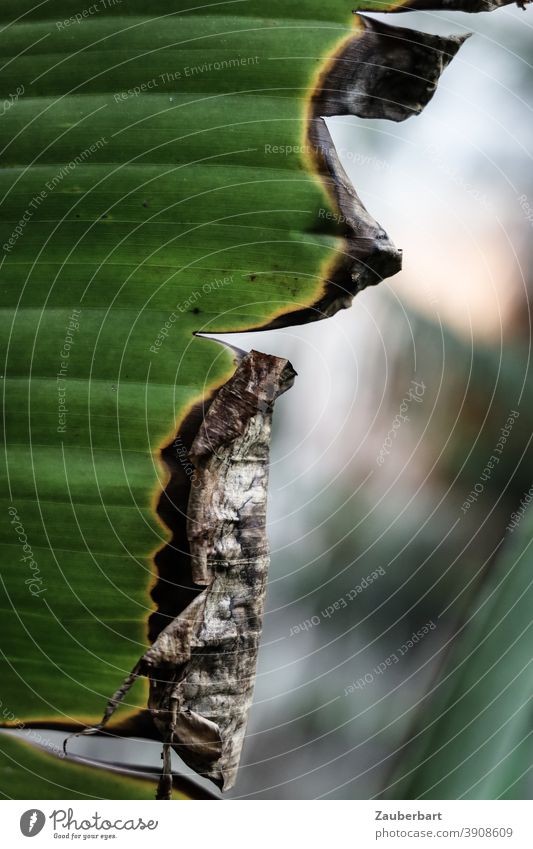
385, 72
202, 666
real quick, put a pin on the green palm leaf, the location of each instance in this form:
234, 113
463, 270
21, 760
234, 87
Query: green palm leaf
158, 179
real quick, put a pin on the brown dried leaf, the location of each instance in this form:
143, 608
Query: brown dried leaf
201, 667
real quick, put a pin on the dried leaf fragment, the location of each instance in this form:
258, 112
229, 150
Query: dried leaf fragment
201, 667
382, 71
